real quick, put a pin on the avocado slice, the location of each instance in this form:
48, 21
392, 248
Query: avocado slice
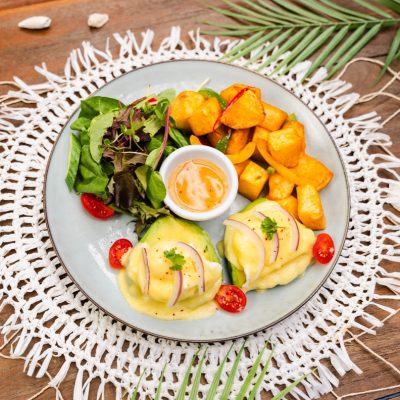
177, 229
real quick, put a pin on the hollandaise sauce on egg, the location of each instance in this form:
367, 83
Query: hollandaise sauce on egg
173, 272
259, 260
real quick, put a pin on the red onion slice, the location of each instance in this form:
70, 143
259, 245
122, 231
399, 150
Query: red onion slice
198, 262
274, 240
177, 289
258, 242
293, 227
146, 286
275, 248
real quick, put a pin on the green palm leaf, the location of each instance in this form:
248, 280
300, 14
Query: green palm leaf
256, 386
232, 374
287, 390
215, 382
196, 380
158, 393
247, 382
393, 54
184, 383
136, 390
304, 27
246, 385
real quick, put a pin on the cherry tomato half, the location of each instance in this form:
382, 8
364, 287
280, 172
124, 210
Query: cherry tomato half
231, 298
117, 250
152, 101
95, 207
324, 248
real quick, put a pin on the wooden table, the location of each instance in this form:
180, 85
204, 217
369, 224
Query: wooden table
21, 50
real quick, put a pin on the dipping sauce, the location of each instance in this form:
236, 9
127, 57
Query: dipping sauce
198, 185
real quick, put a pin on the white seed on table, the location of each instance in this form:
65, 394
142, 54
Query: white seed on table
97, 20
36, 22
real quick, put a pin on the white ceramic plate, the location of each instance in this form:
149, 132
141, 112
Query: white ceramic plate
82, 242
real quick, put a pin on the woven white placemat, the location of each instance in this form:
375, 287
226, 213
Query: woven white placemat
51, 313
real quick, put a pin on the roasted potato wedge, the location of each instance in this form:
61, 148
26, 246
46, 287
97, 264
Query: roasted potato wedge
246, 112
290, 205
237, 141
279, 187
310, 210
299, 127
183, 106
203, 119
252, 180
274, 117
285, 146
313, 171
230, 92
241, 166
259, 133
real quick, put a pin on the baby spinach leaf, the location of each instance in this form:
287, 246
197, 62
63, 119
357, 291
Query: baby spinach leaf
141, 173
81, 124
96, 105
97, 129
160, 110
91, 178
168, 150
84, 138
177, 136
207, 92
107, 167
168, 94
154, 143
155, 191
152, 125
73, 161
153, 157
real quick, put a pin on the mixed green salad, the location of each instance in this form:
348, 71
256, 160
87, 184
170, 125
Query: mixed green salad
116, 151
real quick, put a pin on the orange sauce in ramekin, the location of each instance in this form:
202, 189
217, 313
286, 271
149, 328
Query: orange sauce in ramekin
198, 185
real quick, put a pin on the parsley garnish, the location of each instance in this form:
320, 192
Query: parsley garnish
177, 260
269, 227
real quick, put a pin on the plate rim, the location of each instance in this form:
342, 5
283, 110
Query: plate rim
224, 339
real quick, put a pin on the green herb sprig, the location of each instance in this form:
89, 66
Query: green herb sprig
177, 259
269, 227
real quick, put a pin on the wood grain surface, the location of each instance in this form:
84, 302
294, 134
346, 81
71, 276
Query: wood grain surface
21, 50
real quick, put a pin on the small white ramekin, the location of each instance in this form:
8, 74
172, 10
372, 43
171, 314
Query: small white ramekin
200, 152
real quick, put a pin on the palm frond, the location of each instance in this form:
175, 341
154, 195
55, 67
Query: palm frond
197, 377
158, 392
392, 54
215, 382
282, 33
231, 377
247, 384
184, 384
136, 390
